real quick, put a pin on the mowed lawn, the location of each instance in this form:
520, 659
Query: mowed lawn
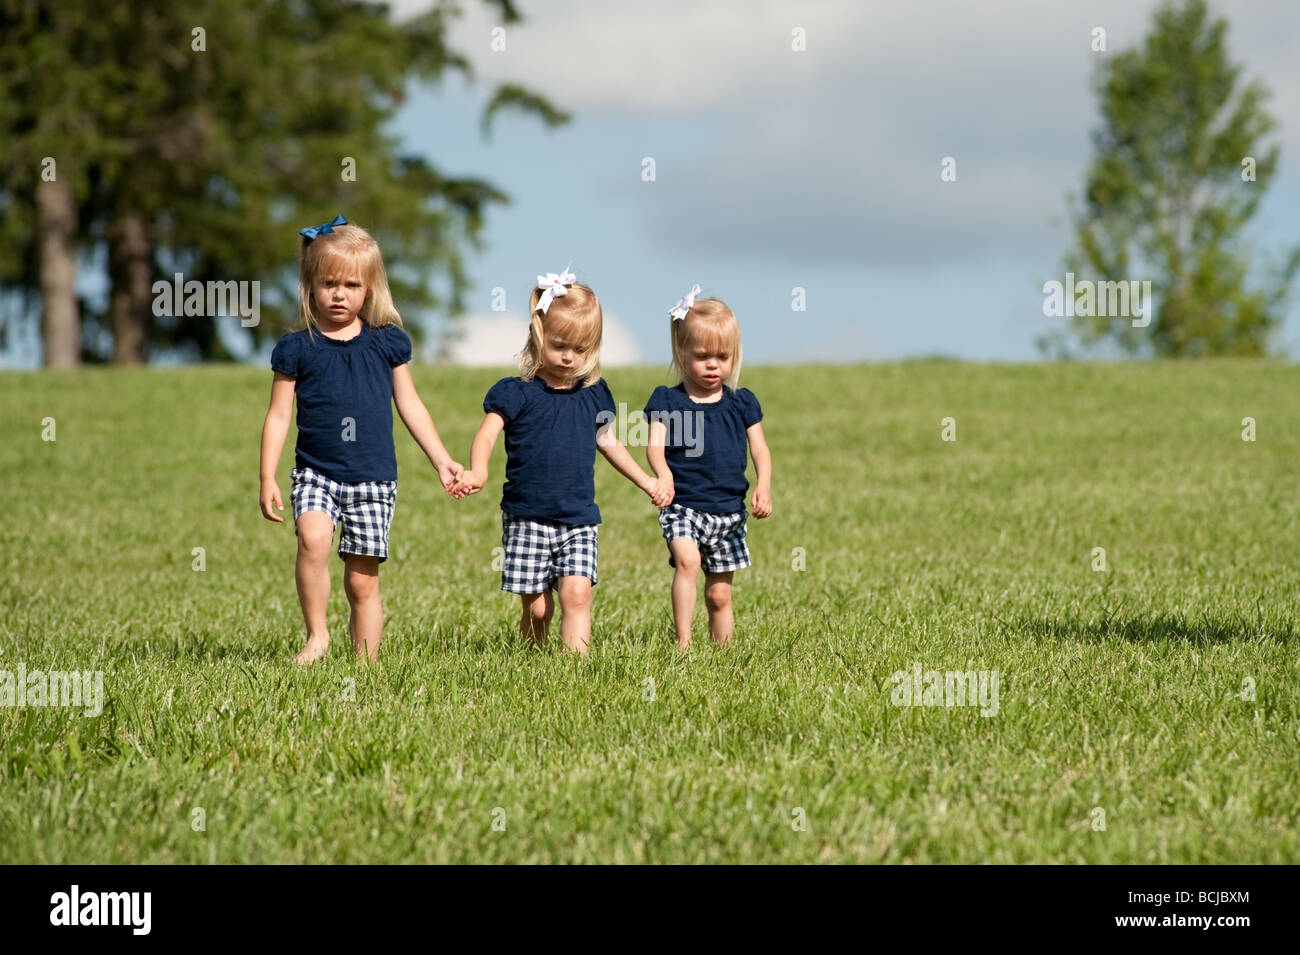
1159, 698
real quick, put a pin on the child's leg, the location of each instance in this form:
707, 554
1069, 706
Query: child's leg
366, 621
575, 610
687, 558
717, 595
535, 620
315, 533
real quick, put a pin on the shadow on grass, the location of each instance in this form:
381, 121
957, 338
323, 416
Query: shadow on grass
1150, 628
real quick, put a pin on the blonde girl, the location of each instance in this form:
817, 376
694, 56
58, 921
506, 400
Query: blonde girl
556, 415
347, 366
700, 432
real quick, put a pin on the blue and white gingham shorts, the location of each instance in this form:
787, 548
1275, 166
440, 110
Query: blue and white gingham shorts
538, 552
365, 510
720, 537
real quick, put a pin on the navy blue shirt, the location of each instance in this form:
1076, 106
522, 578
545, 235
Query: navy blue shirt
706, 445
345, 400
551, 447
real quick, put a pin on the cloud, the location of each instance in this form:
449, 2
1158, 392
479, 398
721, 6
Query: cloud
495, 339
832, 155
844, 168
667, 57
695, 57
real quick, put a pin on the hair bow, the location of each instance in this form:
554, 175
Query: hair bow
684, 304
324, 228
554, 286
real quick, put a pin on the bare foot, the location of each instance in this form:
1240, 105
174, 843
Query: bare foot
313, 651
684, 647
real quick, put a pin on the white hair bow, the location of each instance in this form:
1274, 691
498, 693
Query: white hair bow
684, 304
554, 286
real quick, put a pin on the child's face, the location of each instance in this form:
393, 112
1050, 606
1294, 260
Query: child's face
339, 297
707, 367
561, 357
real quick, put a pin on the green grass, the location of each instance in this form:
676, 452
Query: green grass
1119, 689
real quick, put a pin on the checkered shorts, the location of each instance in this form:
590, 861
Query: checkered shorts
365, 510
537, 552
720, 537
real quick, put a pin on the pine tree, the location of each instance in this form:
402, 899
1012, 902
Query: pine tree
198, 139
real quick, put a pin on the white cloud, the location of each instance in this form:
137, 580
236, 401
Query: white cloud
694, 57
617, 348
634, 57
832, 155
842, 167
495, 339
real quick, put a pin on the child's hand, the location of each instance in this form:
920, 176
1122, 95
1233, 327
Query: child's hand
469, 482
449, 474
662, 491
761, 503
270, 499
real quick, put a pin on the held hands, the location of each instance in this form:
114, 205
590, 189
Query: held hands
761, 502
661, 491
449, 473
467, 483
270, 499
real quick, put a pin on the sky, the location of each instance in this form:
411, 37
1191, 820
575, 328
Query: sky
817, 169
820, 169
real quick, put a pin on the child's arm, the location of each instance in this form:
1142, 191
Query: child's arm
618, 456
274, 430
654, 453
480, 452
761, 501
419, 422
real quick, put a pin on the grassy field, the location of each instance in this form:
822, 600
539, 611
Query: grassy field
1125, 691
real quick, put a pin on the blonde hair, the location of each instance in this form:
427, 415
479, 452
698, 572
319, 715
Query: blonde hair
712, 325
576, 317
337, 253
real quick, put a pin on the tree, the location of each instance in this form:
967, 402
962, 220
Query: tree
1179, 169
43, 129
197, 140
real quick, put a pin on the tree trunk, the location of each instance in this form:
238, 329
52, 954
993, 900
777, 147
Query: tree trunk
130, 265
56, 228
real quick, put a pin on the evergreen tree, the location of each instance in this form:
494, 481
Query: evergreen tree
197, 138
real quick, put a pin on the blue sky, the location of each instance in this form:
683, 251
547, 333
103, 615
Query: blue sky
819, 169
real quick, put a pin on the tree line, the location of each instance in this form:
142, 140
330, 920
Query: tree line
154, 138
149, 139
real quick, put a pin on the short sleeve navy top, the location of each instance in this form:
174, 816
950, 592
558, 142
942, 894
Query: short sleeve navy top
345, 400
551, 447
706, 445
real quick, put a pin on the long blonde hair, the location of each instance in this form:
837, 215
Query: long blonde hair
711, 324
577, 318
339, 252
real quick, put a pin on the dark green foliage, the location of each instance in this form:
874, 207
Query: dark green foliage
223, 153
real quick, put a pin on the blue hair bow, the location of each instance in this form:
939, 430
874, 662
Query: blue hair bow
324, 228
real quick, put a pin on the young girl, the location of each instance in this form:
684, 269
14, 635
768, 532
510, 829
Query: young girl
347, 367
698, 435
555, 416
